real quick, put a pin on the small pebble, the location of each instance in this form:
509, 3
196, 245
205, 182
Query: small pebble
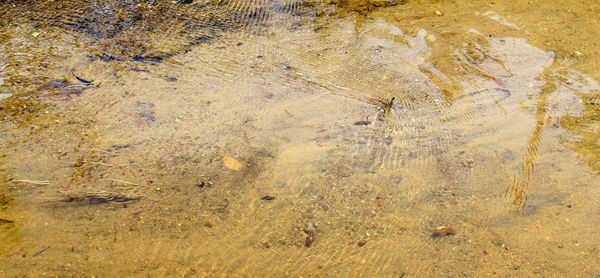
309, 240
209, 223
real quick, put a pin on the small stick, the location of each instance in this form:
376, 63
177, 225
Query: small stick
81, 79
92, 149
34, 182
122, 181
221, 208
101, 163
288, 112
41, 251
362, 123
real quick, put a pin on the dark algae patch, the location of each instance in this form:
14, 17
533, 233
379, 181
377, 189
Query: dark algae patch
143, 31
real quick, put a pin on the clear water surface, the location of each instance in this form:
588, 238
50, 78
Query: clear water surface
288, 138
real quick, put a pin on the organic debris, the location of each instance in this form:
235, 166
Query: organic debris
119, 181
41, 251
6, 221
98, 198
309, 240
81, 79
25, 182
387, 3
387, 106
362, 123
443, 231
61, 90
220, 207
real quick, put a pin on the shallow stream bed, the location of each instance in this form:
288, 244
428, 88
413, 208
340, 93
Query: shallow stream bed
284, 138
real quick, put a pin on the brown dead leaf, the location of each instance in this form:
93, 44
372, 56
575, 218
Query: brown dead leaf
232, 163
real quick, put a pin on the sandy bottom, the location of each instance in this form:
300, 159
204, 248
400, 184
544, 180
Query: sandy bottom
414, 140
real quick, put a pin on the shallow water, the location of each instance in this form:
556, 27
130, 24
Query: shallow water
290, 138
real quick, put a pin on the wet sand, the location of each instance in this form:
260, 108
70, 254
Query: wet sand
299, 139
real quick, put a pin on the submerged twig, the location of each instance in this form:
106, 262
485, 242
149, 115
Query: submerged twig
221, 207
97, 150
387, 106
98, 198
40, 252
81, 79
121, 181
101, 163
6, 221
34, 182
